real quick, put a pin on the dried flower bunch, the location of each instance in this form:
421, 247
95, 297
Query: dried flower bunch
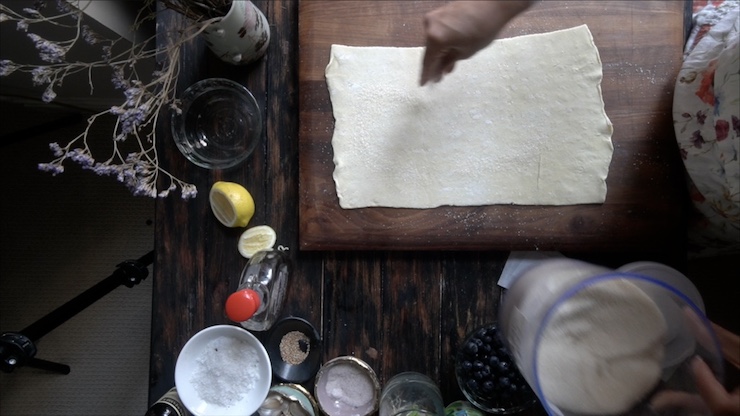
144, 95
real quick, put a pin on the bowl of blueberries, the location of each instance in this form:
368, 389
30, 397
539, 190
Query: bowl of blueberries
488, 376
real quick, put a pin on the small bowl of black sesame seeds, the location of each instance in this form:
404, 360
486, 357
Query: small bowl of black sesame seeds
294, 347
488, 376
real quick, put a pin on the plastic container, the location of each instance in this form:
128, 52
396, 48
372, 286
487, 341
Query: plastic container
259, 298
411, 394
641, 325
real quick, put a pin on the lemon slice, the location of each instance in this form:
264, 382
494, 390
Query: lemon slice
232, 205
261, 237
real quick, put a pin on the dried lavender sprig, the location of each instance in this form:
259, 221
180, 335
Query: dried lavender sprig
136, 118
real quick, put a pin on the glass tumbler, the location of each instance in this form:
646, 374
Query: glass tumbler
411, 394
218, 124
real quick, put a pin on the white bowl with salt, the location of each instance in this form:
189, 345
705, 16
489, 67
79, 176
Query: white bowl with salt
223, 370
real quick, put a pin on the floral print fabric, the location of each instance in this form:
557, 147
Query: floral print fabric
706, 114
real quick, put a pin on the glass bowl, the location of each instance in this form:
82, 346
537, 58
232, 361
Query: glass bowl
488, 376
219, 124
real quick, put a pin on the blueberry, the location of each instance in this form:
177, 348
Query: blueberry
493, 361
489, 371
472, 385
491, 331
488, 386
471, 348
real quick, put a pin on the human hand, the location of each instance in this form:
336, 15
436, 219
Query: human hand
729, 344
460, 29
712, 396
720, 401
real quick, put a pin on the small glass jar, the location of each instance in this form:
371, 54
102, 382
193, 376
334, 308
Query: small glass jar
261, 293
411, 393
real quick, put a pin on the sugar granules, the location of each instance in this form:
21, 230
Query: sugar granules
225, 371
349, 385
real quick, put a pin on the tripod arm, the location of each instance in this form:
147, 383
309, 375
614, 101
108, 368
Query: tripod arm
128, 273
17, 348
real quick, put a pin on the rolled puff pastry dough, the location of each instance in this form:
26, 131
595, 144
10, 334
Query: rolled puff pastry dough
521, 122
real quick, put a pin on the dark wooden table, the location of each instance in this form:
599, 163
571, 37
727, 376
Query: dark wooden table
396, 310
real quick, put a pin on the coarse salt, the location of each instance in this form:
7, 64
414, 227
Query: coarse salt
226, 371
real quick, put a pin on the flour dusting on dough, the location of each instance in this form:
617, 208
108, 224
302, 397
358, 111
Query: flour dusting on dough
522, 122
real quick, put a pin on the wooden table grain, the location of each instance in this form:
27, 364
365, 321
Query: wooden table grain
640, 45
396, 310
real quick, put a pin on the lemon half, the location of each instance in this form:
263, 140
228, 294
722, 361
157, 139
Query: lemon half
231, 203
261, 237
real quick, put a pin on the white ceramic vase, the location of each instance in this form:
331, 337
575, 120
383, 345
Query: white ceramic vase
242, 36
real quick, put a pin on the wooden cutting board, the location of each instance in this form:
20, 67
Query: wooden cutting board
641, 46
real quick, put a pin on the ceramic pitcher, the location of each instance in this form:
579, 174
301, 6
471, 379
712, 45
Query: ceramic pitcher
242, 36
